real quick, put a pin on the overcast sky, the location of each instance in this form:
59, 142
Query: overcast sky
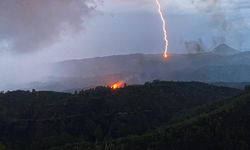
37, 31
88, 28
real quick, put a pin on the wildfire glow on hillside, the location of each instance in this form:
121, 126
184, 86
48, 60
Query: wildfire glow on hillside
117, 85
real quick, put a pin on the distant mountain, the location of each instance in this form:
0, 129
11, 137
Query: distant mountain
224, 49
223, 64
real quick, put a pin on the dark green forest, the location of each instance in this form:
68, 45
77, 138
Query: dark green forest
154, 116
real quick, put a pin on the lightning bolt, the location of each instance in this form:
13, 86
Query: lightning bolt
163, 28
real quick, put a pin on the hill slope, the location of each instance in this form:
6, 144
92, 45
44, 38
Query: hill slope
225, 125
139, 68
41, 120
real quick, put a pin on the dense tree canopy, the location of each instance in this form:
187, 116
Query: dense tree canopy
44, 120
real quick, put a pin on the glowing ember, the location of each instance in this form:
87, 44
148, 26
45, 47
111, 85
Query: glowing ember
118, 85
165, 55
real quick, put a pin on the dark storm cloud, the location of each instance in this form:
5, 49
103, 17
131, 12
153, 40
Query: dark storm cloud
30, 25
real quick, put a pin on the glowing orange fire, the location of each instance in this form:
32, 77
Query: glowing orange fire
118, 85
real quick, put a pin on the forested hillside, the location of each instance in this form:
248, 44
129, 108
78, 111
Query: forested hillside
46, 120
221, 126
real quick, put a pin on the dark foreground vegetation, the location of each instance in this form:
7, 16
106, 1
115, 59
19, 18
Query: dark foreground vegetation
154, 116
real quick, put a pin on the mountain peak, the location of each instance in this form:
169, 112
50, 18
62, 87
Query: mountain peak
224, 49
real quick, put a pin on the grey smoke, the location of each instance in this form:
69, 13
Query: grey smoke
219, 40
195, 46
222, 16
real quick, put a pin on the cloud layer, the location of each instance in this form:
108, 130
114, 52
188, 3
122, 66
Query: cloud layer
30, 25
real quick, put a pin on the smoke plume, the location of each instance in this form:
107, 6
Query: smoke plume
195, 46
222, 16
